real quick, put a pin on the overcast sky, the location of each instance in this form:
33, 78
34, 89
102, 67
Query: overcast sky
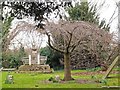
106, 11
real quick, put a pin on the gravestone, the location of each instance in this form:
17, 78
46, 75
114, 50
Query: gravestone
9, 79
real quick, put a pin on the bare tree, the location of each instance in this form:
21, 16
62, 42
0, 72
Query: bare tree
21, 26
66, 36
32, 38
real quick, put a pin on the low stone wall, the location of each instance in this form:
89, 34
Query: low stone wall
7, 69
35, 67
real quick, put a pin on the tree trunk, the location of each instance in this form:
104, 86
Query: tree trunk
67, 69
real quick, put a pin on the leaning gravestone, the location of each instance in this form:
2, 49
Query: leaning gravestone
111, 67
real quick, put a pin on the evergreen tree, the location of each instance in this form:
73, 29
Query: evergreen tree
53, 57
5, 32
85, 12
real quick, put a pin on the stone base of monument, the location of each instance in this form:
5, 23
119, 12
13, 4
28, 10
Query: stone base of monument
35, 68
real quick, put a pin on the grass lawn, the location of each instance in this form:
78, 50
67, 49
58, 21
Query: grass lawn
38, 80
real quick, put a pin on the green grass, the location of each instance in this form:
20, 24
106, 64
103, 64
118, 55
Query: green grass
37, 80
0, 80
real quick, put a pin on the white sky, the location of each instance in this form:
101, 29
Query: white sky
105, 13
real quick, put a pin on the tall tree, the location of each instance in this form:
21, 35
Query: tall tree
40, 11
85, 12
5, 33
66, 36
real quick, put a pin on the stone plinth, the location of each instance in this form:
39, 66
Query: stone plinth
36, 67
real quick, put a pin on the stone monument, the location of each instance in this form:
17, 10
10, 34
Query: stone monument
34, 57
35, 62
